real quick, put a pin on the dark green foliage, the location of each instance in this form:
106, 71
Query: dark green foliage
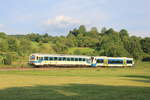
60, 44
112, 46
94, 31
3, 45
8, 59
123, 33
82, 29
145, 44
74, 32
25, 47
108, 42
103, 30
110, 31
81, 51
3, 35
13, 44
134, 47
34, 37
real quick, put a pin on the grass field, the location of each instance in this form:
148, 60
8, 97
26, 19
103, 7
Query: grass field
77, 84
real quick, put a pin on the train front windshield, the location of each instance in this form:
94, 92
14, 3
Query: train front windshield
32, 57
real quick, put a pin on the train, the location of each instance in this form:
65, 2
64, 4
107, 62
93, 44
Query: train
40, 60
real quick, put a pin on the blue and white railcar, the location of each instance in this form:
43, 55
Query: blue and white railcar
59, 60
111, 61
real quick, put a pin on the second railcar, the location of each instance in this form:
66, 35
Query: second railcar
112, 61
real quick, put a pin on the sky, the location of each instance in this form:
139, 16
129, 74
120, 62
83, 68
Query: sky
57, 17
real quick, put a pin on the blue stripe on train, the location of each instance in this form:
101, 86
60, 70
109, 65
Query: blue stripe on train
93, 65
38, 61
116, 59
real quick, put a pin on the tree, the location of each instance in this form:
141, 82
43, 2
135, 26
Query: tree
60, 45
34, 37
45, 48
109, 31
3, 45
103, 30
2, 35
134, 47
71, 41
25, 47
8, 59
94, 31
145, 44
116, 51
111, 45
74, 32
123, 34
45, 35
82, 29
13, 44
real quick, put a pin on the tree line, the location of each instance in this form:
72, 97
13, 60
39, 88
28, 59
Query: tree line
107, 42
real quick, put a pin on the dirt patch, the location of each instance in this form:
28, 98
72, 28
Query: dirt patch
44, 68
13, 69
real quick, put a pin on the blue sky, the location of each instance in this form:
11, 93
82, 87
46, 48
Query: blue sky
57, 17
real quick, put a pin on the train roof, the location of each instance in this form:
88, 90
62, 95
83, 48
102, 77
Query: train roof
112, 57
56, 55
64, 55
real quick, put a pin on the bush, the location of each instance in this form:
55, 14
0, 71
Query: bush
8, 60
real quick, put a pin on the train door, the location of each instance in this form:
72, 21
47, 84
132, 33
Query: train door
124, 62
88, 61
93, 64
106, 62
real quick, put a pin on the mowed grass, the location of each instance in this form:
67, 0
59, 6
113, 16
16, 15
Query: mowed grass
77, 84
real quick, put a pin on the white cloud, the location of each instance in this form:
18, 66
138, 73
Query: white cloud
64, 21
142, 33
1, 26
7, 29
60, 25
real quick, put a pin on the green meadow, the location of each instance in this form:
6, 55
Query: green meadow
76, 83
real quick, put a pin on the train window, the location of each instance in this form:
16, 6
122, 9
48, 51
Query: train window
51, 58
64, 59
80, 59
60, 59
129, 61
115, 61
72, 59
76, 59
55, 58
100, 61
88, 60
45, 58
41, 58
32, 57
68, 59
83, 59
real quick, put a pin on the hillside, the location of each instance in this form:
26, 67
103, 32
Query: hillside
15, 49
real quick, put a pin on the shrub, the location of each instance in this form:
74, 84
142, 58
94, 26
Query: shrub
8, 60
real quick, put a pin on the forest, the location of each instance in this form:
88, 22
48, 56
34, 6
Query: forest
15, 49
